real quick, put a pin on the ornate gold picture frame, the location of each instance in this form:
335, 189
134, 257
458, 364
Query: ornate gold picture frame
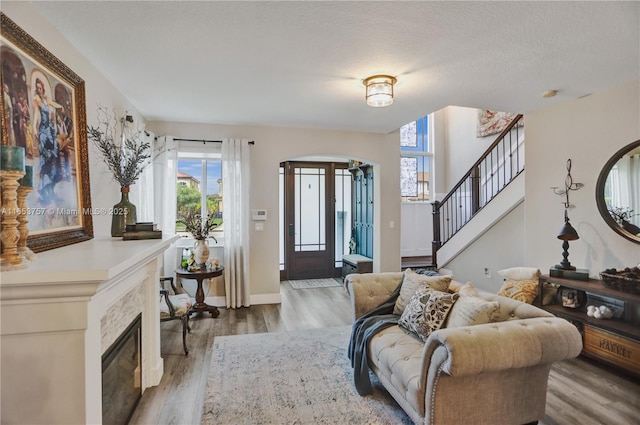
44, 111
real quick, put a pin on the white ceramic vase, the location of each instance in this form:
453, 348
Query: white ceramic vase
201, 251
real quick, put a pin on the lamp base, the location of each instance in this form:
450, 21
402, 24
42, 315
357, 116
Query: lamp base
578, 274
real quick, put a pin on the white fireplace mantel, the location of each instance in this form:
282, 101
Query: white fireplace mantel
56, 322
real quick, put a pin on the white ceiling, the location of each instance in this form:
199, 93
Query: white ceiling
301, 64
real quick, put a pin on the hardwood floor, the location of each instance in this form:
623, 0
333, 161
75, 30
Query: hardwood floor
580, 392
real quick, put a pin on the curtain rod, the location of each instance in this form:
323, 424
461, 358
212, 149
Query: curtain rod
252, 142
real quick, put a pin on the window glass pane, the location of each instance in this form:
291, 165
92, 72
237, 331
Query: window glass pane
409, 176
199, 184
408, 135
415, 175
188, 192
343, 214
214, 184
310, 208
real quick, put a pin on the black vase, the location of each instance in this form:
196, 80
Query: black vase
124, 212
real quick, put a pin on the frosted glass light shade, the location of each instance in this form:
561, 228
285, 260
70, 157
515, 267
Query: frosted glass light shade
379, 90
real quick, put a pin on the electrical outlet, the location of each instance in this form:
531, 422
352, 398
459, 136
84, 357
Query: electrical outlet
487, 272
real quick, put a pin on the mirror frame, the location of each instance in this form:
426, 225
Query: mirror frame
602, 180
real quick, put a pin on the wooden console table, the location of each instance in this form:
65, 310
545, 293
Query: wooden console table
199, 276
613, 341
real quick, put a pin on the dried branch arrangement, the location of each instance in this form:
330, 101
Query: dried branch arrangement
198, 227
127, 156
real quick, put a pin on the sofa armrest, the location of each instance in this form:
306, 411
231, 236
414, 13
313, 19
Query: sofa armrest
490, 347
369, 290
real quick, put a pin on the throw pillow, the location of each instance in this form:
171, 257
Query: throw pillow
470, 309
521, 290
520, 273
427, 311
411, 281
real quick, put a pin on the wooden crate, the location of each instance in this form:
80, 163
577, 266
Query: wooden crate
618, 350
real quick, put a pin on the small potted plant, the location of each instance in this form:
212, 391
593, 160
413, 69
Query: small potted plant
199, 228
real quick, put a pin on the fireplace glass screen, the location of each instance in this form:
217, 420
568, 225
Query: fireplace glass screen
121, 376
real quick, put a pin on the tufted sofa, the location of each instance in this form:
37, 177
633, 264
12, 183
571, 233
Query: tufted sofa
494, 373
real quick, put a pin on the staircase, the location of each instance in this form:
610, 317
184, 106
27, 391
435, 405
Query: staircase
501, 164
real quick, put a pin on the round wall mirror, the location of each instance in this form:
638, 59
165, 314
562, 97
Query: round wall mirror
618, 192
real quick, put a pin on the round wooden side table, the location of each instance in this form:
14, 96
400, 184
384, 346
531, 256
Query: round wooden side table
199, 276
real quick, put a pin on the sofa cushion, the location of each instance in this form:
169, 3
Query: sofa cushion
470, 309
427, 311
411, 281
397, 355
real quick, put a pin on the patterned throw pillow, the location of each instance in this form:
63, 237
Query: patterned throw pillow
521, 290
411, 281
427, 311
470, 309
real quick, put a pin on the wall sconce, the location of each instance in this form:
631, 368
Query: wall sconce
379, 90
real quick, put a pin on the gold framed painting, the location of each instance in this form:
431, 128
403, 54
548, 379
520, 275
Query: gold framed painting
44, 111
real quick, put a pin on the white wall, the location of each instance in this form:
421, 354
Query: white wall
417, 229
104, 191
274, 145
589, 131
462, 147
499, 248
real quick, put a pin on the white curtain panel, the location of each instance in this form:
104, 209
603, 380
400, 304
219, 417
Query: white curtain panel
142, 194
235, 181
165, 153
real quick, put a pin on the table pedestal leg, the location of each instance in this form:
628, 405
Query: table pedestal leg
200, 305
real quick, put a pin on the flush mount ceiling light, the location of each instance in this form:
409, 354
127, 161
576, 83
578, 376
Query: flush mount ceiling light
379, 91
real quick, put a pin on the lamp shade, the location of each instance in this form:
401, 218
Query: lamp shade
379, 90
567, 233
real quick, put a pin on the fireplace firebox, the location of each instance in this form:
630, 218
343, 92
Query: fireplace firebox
122, 375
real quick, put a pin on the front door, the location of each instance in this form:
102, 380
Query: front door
309, 220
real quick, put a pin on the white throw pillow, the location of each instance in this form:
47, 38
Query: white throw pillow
410, 283
470, 309
520, 273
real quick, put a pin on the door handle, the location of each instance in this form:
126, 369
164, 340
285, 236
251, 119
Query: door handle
292, 232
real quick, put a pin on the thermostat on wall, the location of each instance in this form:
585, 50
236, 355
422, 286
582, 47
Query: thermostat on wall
259, 214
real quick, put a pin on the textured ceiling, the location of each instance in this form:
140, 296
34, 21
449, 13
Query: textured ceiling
300, 64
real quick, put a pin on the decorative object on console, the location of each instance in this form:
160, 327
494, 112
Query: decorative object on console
139, 231
126, 158
26, 186
567, 233
626, 280
38, 86
572, 298
11, 170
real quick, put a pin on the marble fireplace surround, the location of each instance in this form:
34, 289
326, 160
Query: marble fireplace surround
61, 314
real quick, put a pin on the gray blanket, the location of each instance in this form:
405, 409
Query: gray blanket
363, 329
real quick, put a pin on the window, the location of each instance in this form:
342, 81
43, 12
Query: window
199, 186
415, 161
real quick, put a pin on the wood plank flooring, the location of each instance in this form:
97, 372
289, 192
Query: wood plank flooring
580, 392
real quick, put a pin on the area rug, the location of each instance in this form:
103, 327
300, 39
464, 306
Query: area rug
297, 377
314, 283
